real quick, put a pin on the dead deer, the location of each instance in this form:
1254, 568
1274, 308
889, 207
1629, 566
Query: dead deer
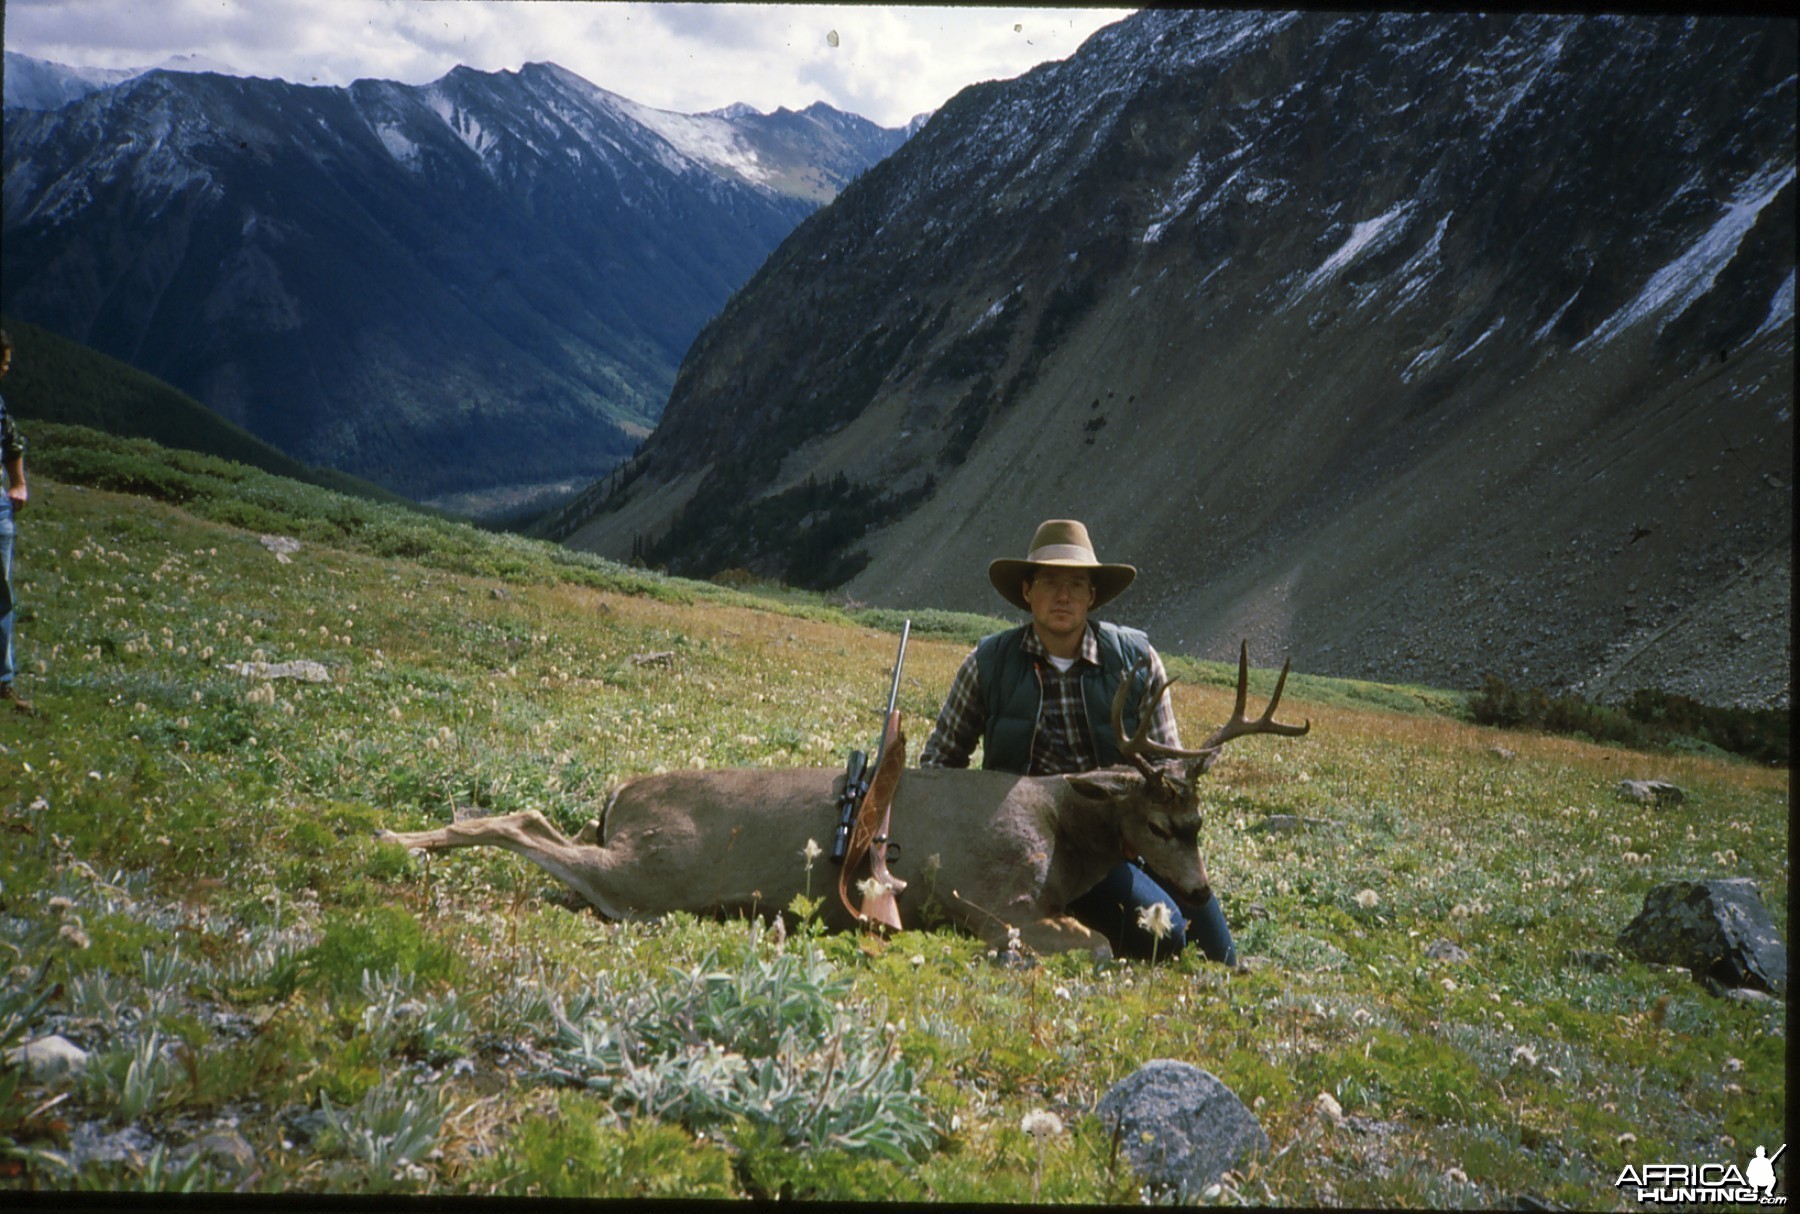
994, 851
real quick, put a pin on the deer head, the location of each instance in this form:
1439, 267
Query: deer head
1168, 834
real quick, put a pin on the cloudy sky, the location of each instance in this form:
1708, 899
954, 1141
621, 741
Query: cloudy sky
885, 63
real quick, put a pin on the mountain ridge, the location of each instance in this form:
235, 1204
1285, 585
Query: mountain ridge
478, 283
1303, 314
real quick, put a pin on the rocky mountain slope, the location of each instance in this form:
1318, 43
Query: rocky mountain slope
1418, 345
482, 283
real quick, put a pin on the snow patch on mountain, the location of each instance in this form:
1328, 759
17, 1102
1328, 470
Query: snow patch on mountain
1781, 308
1188, 188
704, 138
398, 145
1672, 289
1369, 236
1422, 266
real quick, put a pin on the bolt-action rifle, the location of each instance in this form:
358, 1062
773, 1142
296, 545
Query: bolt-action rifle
865, 809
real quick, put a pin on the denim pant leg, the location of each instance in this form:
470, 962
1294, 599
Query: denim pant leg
1208, 929
6, 599
1111, 908
1205, 925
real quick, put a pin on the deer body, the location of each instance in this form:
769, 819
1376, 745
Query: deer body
993, 851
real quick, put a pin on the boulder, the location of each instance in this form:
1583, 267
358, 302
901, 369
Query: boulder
1179, 1126
1651, 792
225, 1147
1287, 824
283, 546
1719, 929
49, 1059
1593, 959
304, 669
1444, 950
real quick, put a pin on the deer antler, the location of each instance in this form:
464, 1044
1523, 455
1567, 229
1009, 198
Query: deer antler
1237, 726
1138, 749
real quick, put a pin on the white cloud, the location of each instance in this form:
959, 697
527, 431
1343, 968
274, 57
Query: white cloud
890, 64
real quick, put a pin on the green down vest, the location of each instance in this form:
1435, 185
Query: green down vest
1013, 695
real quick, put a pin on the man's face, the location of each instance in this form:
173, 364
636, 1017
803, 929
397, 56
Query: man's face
1059, 601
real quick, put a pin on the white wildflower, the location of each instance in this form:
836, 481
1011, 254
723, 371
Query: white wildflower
1156, 919
1368, 899
1040, 1124
812, 851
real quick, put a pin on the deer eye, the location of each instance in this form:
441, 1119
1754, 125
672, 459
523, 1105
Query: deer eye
1161, 831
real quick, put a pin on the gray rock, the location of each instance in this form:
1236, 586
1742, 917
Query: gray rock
1593, 959
1719, 929
1747, 994
1179, 1126
1651, 792
1444, 950
227, 1148
304, 669
49, 1059
283, 546
1287, 824
91, 1142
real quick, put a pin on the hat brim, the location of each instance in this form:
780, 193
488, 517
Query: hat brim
1008, 576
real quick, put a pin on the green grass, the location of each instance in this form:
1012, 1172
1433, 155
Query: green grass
191, 890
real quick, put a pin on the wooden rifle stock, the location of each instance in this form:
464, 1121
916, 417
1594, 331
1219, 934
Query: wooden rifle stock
873, 817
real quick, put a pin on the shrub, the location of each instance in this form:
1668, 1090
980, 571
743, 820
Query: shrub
1648, 718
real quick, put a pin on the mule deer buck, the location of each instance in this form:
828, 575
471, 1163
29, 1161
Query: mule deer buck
994, 850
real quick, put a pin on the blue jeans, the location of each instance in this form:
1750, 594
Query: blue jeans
6, 600
1111, 908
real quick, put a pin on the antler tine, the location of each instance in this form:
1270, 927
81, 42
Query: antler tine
1139, 747
1237, 726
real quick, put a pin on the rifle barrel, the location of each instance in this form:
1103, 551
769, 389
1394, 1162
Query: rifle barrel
899, 662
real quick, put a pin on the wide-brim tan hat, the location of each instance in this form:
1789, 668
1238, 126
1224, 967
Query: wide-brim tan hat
1059, 543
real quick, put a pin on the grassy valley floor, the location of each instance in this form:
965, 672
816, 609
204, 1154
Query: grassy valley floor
273, 1000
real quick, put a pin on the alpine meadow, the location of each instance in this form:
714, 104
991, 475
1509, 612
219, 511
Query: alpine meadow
419, 471
260, 997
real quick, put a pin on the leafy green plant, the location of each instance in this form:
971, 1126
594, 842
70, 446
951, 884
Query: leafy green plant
388, 1132
771, 1042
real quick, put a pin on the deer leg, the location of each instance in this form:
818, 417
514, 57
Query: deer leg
580, 866
520, 832
1054, 934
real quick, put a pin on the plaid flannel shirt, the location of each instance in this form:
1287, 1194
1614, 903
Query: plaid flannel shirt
12, 443
1063, 743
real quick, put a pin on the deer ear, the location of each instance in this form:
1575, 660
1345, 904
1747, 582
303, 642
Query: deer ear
1106, 784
